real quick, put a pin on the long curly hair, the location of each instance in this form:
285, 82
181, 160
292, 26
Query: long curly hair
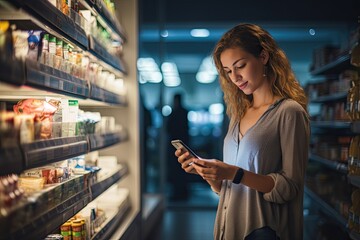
253, 39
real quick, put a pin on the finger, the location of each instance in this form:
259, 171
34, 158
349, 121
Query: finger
178, 152
186, 164
202, 162
208, 177
183, 157
199, 168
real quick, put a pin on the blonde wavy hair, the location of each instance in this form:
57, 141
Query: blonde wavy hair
253, 39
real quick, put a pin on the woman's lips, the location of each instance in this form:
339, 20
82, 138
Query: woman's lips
242, 86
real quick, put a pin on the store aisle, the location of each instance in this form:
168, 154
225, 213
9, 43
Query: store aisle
185, 223
197, 224
194, 219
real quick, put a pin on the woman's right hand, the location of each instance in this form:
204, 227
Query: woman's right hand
186, 161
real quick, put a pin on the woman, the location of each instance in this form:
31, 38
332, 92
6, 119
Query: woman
261, 179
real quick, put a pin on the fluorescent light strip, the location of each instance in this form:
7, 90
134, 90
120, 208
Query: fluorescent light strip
199, 33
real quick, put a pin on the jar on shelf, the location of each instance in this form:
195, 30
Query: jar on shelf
66, 230
352, 106
353, 162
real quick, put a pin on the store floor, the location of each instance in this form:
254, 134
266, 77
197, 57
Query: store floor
194, 219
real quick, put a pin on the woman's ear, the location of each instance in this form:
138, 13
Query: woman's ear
264, 56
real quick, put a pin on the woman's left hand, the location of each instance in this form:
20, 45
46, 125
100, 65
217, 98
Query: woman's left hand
214, 170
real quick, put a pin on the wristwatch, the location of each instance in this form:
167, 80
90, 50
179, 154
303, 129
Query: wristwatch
238, 176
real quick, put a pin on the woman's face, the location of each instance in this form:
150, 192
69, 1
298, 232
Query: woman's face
244, 69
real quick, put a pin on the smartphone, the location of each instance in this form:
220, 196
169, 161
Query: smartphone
178, 144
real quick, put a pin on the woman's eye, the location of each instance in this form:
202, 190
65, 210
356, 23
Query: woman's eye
239, 66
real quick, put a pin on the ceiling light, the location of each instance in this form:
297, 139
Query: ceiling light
216, 108
199, 32
312, 31
164, 33
148, 70
171, 74
166, 110
207, 72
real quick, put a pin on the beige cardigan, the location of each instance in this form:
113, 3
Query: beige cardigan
277, 145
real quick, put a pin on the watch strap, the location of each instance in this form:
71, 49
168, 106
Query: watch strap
238, 176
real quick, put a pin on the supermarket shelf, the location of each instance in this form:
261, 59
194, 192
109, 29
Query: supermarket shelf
326, 208
98, 50
99, 141
55, 22
55, 18
110, 226
42, 15
48, 216
101, 186
105, 15
47, 151
15, 159
42, 77
331, 124
338, 166
354, 235
46, 211
51, 79
334, 67
354, 180
330, 98
100, 94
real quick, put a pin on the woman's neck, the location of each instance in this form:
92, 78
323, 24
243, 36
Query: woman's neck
263, 100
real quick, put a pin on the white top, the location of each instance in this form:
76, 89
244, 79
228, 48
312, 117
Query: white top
277, 145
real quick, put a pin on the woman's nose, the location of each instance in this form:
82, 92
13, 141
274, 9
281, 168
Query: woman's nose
234, 77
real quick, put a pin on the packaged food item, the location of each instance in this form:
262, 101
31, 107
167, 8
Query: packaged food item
57, 117
25, 124
51, 174
31, 184
70, 111
353, 158
77, 164
52, 50
77, 228
53, 2
66, 51
44, 56
59, 47
58, 57
64, 7
43, 112
66, 230
20, 43
34, 45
